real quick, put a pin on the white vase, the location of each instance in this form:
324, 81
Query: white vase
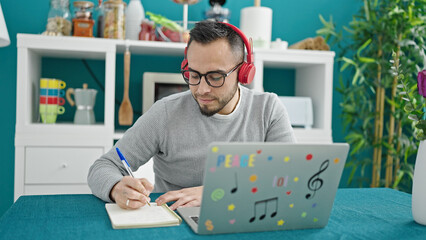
419, 186
134, 16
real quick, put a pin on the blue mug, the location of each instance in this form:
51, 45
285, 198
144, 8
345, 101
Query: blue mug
52, 92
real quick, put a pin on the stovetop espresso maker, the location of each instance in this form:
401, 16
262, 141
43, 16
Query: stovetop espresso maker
85, 100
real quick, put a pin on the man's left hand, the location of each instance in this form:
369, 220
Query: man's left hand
186, 197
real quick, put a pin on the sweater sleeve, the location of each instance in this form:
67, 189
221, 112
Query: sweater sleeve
280, 129
138, 144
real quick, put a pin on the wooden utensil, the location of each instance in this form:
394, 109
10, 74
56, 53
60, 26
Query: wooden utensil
125, 112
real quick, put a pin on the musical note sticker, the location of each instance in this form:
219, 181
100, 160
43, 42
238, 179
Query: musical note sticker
259, 204
315, 182
234, 190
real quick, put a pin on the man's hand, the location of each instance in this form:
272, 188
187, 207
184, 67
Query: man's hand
131, 193
186, 197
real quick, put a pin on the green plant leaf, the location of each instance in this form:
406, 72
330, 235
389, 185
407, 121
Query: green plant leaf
408, 108
413, 117
398, 179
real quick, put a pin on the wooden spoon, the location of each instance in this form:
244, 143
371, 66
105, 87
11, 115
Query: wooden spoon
125, 112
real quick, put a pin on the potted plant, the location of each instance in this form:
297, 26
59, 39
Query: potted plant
416, 108
378, 129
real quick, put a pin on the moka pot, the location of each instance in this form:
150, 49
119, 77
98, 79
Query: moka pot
85, 101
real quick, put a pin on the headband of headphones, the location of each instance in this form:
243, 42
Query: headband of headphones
245, 40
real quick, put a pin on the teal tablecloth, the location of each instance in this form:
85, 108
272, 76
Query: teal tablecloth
357, 214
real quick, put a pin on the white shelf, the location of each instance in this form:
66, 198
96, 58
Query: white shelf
314, 77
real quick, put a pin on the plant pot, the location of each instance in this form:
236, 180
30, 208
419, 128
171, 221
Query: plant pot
418, 206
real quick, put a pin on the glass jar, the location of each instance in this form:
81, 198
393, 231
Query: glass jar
100, 20
114, 19
58, 19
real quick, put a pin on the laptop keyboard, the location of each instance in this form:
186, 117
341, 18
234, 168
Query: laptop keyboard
195, 219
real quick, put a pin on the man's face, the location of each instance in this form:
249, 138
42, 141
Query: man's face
214, 56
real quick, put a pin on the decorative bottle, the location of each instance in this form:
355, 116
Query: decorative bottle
134, 16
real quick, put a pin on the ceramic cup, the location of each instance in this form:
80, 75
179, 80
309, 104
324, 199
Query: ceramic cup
52, 92
52, 83
52, 100
49, 112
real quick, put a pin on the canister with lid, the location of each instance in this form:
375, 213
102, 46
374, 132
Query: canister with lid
82, 21
114, 19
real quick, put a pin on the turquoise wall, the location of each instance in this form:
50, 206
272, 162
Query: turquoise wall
292, 21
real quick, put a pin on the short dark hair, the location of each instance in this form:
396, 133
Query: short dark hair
208, 31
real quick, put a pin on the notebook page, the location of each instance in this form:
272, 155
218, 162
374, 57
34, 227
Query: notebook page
146, 215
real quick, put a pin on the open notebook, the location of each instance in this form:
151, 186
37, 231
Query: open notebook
144, 217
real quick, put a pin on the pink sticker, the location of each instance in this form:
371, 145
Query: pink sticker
213, 169
232, 221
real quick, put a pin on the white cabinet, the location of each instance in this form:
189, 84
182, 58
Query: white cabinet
54, 158
314, 79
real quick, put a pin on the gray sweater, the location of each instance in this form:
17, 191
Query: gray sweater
175, 133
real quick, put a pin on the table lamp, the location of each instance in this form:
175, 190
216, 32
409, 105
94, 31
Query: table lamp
4, 35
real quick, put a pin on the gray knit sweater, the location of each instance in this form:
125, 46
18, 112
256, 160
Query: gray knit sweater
176, 135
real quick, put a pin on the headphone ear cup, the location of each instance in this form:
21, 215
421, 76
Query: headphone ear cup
184, 64
246, 73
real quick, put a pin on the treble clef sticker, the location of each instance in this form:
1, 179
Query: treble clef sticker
315, 182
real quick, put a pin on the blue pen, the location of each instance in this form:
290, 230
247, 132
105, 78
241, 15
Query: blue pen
126, 165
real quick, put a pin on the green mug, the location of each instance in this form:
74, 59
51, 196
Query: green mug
49, 112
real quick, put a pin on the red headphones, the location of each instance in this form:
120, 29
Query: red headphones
247, 69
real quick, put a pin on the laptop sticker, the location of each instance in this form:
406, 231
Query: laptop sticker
263, 207
217, 194
209, 225
315, 182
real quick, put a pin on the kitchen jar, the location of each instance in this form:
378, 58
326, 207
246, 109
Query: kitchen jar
82, 21
114, 19
58, 19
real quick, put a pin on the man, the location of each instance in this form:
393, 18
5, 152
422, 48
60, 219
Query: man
177, 129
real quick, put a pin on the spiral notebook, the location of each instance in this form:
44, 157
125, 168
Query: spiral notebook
252, 187
144, 217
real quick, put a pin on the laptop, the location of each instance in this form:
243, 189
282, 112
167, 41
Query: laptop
251, 187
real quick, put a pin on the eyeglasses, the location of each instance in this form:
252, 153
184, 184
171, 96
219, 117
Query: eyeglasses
214, 78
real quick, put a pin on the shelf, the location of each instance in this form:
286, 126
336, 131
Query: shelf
94, 48
290, 58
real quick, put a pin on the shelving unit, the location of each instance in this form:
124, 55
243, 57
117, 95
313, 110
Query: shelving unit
55, 158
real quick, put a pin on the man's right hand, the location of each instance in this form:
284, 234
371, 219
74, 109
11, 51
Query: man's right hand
131, 193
